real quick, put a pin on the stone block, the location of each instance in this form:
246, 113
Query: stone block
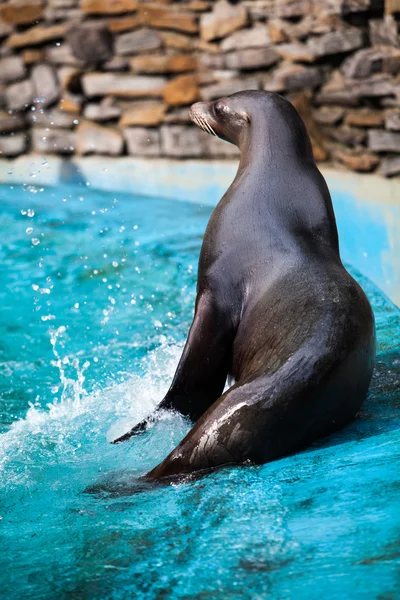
106, 110
21, 12
142, 141
293, 8
251, 58
96, 139
276, 31
108, 7
349, 92
391, 101
365, 117
392, 121
391, 61
362, 162
283, 30
124, 24
12, 68
223, 20
258, 9
180, 141
62, 14
13, 145
91, 43
373, 87
5, 29
328, 115
199, 5
53, 118
355, 6
383, 32
295, 52
256, 37
181, 90
63, 3
363, 63
10, 123
39, 34
32, 55
45, 84
154, 63
177, 41
390, 166
62, 55
122, 86
177, 115
348, 136
134, 42
117, 63
392, 6
55, 141
380, 140
212, 61
228, 87
19, 95
71, 103
336, 42
165, 17
146, 114
291, 78
202, 46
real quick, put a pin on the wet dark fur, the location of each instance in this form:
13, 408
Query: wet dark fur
276, 311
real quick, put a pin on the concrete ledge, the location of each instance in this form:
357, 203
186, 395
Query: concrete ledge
367, 207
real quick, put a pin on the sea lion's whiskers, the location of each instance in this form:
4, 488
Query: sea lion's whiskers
212, 130
208, 127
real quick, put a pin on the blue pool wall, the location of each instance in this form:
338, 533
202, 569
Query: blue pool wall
367, 207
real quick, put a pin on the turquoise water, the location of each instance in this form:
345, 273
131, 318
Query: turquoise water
97, 294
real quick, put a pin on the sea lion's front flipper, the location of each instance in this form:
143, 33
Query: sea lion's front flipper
202, 370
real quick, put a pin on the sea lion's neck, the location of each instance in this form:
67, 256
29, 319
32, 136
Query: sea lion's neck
283, 183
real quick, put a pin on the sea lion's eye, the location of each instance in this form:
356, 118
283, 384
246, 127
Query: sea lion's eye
221, 108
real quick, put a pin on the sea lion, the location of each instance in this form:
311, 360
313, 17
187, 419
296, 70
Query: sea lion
276, 311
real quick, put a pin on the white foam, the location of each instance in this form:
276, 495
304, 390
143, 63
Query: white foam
80, 418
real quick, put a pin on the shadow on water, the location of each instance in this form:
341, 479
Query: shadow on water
122, 483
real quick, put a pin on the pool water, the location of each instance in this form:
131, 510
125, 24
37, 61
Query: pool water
97, 295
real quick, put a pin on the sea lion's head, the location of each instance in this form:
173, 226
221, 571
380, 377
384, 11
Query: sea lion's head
264, 117
226, 118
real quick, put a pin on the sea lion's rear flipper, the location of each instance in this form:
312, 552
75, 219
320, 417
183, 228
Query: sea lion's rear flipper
266, 417
202, 370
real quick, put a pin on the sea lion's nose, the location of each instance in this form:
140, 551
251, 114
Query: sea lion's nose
198, 109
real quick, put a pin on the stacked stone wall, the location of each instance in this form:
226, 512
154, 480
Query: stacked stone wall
116, 77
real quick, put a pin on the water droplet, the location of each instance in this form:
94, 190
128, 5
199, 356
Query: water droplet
29, 230
35, 241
